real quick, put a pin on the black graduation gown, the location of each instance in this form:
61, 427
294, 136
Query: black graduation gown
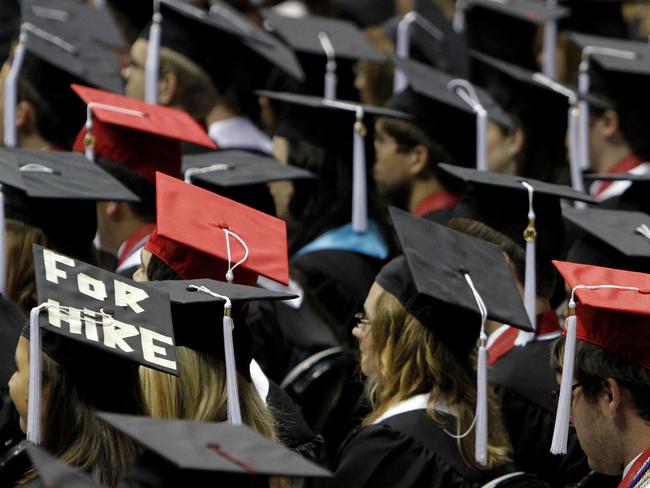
407, 450
524, 381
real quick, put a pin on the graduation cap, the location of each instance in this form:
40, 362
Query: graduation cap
615, 238
56, 192
507, 29
525, 210
98, 326
203, 235
330, 130
50, 62
609, 308
197, 306
144, 137
327, 49
240, 175
540, 106
448, 109
595, 17
634, 188
446, 277
79, 19
54, 473
213, 448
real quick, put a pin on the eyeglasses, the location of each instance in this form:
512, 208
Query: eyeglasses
555, 394
362, 319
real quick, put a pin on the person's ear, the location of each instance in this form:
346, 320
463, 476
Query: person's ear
25, 117
515, 141
113, 210
610, 124
168, 88
419, 160
613, 397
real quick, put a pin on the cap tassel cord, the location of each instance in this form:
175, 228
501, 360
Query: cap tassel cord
563, 414
152, 63
549, 66
11, 91
190, 172
330, 66
89, 139
530, 280
467, 93
403, 50
35, 376
230, 276
359, 190
234, 409
644, 230
458, 20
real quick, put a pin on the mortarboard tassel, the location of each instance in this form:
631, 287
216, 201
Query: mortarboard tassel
549, 66
234, 409
466, 92
11, 90
359, 193
190, 172
35, 376
152, 63
530, 280
458, 20
403, 50
330, 66
230, 276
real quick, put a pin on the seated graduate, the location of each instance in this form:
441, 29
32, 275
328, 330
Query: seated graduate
431, 424
202, 235
80, 353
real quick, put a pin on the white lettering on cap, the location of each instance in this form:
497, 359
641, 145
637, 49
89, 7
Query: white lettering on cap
52, 273
91, 287
127, 295
115, 332
153, 353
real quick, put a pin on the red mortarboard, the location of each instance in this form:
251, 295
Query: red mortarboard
615, 319
197, 227
143, 136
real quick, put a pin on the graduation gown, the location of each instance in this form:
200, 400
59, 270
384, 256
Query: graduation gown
523, 380
406, 449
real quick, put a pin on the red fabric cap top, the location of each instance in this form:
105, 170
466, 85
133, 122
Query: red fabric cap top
146, 138
191, 236
616, 320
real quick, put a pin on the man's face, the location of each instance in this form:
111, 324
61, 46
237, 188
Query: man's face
391, 169
133, 72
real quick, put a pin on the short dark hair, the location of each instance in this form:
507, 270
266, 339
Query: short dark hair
594, 364
145, 209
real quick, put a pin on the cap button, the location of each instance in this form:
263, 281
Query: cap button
222, 224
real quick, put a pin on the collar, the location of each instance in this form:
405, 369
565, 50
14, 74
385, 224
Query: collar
637, 473
625, 165
260, 381
133, 243
239, 133
439, 200
370, 243
417, 402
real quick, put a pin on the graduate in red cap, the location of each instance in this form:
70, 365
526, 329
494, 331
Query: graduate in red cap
604, 365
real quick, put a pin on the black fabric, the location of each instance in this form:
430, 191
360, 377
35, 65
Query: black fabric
14, 463
11, 323
407, 450
524, 381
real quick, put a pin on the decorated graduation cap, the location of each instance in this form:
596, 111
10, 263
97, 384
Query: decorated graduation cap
56, 192
50, 62
144, 137
211, 449
200, 234
617, 70
327, 49
537, 104
196, 307
99, 327
55, 473
447, 277
448, 109
614, 238
609, 308
240, 175
193, 33
336, 120
523, 209
507, 29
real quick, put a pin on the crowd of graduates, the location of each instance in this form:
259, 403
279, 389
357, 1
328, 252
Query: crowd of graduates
325, 243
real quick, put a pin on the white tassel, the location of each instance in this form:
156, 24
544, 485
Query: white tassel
466, 92
359, 192
480, 447
563, 414
152, 63
549, 65
458, 21
403, 50
234, 410
583, 117
11, 92
574, 147
530, 281
330, 67
35, 377
89, 139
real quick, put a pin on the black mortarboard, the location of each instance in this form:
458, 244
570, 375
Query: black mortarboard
213, 448
12, 320
80, 20
99, 327
614, 238
9, 26
635, 188
505, 202
55, 473
441, 112
595, 17
429, 280
45, 189
312, 37
540, 111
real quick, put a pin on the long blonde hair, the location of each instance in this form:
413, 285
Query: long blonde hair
407, 360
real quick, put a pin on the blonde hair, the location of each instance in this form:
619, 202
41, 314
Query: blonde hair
407, 360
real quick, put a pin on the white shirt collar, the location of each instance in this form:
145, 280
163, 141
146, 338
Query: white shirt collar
417, 402
239, 133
